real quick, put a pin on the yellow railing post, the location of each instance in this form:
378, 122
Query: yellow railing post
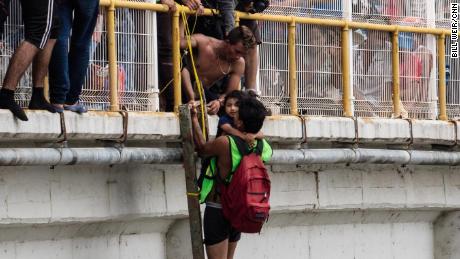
112, 55
395, 70
176, 60
292, 68
237, 19
346, 95
442, 77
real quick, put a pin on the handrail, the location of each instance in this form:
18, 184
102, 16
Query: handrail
291, 21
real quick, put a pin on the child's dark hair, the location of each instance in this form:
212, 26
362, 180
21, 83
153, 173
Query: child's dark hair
235, 94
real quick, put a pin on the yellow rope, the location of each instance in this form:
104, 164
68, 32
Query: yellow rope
195, 73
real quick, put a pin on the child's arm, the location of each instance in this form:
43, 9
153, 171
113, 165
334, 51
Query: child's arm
229, 130
249, 138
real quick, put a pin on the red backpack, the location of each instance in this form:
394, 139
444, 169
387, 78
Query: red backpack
245, 201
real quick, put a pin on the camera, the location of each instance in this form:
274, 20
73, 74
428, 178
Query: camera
255, 6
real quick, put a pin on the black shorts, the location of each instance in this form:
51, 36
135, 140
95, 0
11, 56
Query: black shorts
40, 21
217, 228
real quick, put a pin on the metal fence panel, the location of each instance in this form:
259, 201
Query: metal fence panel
319, 70
135, 34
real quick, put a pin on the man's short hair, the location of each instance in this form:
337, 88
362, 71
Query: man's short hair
252, 114
242, 34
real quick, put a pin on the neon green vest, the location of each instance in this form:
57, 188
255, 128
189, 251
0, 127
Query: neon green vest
208, 181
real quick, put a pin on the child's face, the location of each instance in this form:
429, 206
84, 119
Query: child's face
231, 107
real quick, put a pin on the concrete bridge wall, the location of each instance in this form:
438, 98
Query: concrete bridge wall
330, 210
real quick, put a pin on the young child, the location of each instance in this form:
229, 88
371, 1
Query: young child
231, 107
226, 126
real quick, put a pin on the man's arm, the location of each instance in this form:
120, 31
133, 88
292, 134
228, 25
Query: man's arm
195, 40
211, 148
236, 73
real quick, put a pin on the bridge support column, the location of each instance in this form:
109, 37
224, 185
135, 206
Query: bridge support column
447, 236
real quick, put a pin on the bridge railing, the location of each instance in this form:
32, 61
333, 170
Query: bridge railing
311, 59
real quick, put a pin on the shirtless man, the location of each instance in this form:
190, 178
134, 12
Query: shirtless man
215, 59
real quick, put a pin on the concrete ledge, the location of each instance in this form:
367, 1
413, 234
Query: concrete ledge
93, 125
433, 132
42, 125
213, 121
153, 126
391, 131
325, 129
285, 128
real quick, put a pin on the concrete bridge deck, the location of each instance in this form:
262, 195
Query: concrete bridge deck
359, 209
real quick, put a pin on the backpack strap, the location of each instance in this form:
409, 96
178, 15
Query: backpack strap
243, 147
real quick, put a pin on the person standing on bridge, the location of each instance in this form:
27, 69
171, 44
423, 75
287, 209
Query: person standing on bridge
70, 60
216, 59
41, 28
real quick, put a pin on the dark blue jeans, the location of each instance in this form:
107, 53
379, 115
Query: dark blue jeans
69, 61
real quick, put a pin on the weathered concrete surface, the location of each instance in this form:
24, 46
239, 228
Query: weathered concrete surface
333, 210
360, 211
433, 132
41, 126
392, 131
447, 236
160, 127
93, 125
330, 129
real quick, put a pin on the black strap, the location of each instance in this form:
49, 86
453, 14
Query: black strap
244, 149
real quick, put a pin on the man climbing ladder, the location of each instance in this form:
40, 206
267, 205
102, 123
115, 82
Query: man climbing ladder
220, 236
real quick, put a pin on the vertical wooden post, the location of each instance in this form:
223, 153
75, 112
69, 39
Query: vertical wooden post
189, 159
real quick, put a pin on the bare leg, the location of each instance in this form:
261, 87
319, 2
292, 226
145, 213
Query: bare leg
39, 71
231, 249
252, 64
40, 64
218, 251
19, 62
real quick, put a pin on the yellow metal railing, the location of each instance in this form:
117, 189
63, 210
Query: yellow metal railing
292, 21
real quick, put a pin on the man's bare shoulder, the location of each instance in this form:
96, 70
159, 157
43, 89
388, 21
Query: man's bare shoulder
202, 39
238, 66
221, 142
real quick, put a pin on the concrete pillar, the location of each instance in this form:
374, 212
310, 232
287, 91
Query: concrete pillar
447, 236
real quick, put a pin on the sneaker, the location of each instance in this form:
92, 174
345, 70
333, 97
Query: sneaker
77, 107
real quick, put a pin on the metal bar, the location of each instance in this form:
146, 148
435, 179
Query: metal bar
176, 61
442, 77
292, 68
190, 175
395, 69
112, 53
281, 18
346, 97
